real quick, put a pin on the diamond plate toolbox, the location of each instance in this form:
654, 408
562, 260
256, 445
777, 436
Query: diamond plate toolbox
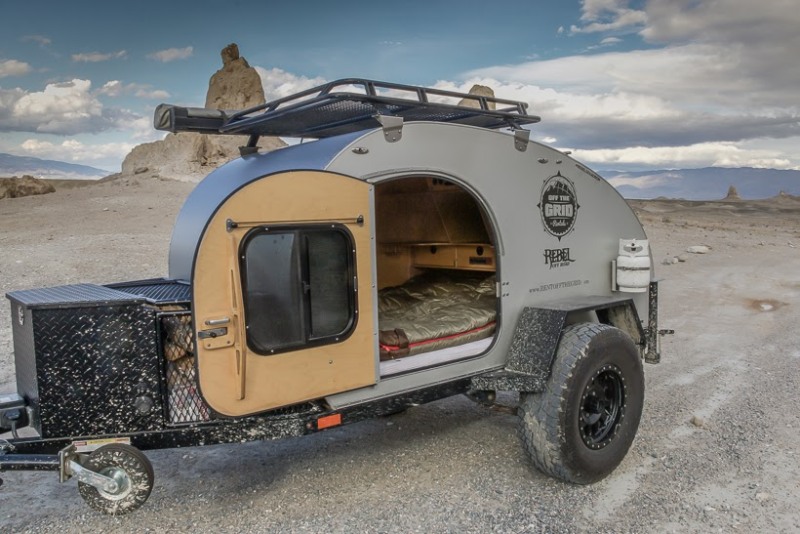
87, 360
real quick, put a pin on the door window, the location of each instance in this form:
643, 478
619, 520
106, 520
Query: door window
299, 287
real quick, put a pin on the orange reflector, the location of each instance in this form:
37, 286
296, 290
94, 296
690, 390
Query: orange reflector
329, 421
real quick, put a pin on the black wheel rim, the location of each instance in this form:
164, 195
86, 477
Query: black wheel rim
602, 407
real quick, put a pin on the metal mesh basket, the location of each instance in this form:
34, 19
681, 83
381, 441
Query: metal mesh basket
184, 403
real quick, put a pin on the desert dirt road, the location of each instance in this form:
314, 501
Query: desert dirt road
716, 451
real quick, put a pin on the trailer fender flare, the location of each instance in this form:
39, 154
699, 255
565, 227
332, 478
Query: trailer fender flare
538, 332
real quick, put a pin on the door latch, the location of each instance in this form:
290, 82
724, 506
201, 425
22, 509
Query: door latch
212, 333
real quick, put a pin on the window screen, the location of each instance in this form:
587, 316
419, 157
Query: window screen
330, 288
298, 286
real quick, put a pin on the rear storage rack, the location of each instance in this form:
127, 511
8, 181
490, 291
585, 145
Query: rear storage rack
345, 106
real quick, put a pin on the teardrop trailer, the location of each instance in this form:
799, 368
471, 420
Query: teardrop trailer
413, 251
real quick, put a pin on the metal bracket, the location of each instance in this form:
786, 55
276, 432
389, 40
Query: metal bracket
251, 147
87, 476
65, 456
69, 467
392, 127
653, 354
5, 446
247, 150
521, 139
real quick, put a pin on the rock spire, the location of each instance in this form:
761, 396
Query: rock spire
191, 156
236, 85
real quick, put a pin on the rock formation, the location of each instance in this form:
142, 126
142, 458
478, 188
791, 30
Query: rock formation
236, 85
22, 187
733, 194
478, 90
784, 198
190, 156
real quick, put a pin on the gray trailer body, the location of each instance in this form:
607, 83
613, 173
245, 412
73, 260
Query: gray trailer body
567, 267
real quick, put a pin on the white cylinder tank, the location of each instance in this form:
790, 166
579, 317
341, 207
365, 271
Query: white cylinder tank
633, 266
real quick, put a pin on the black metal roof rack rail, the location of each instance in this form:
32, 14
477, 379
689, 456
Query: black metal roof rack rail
345, 106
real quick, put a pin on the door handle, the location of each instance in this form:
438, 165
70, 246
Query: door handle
217, 322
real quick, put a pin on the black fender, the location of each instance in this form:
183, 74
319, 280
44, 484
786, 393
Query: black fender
538, 332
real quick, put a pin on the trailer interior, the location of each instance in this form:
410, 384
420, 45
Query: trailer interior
436, 270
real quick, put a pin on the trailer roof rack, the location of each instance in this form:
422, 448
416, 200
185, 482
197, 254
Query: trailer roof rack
344, 106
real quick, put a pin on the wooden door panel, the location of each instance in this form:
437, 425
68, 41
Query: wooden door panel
233, 378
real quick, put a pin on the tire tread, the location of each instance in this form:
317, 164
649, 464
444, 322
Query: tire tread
101, 458
540, 413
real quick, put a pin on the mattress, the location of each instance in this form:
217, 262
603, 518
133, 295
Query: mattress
436, 310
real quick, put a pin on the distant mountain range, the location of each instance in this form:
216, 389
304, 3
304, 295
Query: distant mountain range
11, 165
711, 183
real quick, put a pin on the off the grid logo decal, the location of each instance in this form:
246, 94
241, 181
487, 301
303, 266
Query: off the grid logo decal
558, 206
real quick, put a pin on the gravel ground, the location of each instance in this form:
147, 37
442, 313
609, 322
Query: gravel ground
716, 449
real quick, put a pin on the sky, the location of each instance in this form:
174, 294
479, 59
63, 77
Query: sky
624, 84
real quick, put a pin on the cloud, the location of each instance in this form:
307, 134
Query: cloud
671, 21
608, 15
142, 130
616, 119
716, 75
64, 108
96, 57
716, 154
72, 150
172, 54
592, 10
735, 52
571, 106
12, 67
40, 39
691, 69
644, 182
61, 108
152, 94
116, 88
112, 88
763, 41
278, 83
608, 41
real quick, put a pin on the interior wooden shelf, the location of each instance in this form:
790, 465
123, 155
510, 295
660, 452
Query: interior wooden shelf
465, 256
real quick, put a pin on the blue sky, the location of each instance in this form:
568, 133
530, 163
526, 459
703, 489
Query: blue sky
628, 85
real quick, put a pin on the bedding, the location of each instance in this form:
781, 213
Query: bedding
435, 310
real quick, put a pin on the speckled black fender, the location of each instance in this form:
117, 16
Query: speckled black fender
538, 332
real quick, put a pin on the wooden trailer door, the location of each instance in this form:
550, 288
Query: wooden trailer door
283, 293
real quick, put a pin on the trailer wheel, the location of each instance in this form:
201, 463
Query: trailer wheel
582, 425
132, 471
